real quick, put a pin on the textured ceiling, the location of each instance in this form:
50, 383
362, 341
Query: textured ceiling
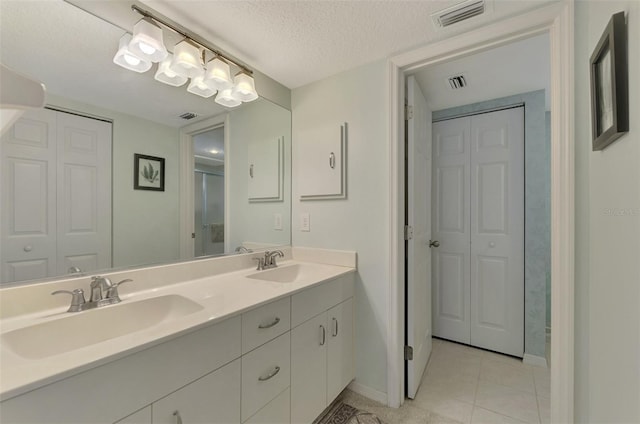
297, 42
511, 69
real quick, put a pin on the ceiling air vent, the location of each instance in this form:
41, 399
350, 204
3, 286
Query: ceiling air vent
457, 81
459, 12
188, 115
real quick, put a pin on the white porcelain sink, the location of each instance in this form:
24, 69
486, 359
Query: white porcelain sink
85, 328
282, 274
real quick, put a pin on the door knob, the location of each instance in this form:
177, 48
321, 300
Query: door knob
434, 243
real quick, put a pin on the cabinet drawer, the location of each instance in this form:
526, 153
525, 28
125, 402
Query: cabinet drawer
275, 412
265, 323
213, 399
265, 374
318, 299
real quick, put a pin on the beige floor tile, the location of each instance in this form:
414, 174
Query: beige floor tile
484, 416
494, 356
517, 376
455, 364
544, 407
447, 407
542, 379
448, 386
508, 401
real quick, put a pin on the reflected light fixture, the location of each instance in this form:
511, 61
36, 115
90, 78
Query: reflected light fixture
167, 76
137, 52
197, 86
225, 98
127, 59
147, 42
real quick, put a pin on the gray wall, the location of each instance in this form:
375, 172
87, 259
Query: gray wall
537, 232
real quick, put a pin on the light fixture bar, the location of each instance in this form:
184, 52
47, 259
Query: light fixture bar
191, 37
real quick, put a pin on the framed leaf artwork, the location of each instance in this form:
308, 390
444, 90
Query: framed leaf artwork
148, 172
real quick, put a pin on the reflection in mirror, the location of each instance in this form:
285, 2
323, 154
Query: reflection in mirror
61, 211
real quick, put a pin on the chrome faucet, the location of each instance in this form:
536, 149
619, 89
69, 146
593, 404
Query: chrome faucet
270, 258
103, 293
242, 249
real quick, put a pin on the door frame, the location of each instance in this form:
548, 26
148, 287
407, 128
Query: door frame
186, 197
558, 21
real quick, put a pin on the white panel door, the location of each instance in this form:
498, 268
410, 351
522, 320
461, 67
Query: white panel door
266, 169
322, 162
497, 231
84, 193
479, 222
28, 204
419, 219
450, 221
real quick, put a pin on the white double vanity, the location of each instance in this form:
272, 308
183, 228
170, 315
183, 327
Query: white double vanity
208, 341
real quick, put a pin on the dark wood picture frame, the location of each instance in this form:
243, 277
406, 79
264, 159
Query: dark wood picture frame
148, 172
609, 84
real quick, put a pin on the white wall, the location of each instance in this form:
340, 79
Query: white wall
361, 222
607, 366
145, 223
254, 222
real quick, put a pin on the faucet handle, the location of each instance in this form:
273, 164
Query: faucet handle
77, 299
261, 263
112, 292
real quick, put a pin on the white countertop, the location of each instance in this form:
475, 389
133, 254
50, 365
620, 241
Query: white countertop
221, 296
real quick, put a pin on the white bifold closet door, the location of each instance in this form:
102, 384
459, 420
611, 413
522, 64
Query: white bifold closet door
478, 219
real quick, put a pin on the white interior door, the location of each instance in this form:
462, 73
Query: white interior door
28, 225
497, 231
419, 220
84, 193
451, 259
479, 222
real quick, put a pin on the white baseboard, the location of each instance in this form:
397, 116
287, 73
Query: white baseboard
368, 392
538, 361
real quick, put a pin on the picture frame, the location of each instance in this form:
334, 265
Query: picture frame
148, 172
609, 84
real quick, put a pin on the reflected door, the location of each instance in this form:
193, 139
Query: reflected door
479, 221
56, 196
209, 213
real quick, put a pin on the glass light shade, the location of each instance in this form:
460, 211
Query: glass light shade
225, 98
218, 74
127, 59
186, 59
147, 41
244, 89
167, 76
197, 86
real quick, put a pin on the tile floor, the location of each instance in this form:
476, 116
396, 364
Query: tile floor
467, 385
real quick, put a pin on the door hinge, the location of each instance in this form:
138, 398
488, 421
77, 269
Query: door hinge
408, 112
408, 232
408, 353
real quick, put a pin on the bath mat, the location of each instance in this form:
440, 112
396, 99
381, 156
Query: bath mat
341, 413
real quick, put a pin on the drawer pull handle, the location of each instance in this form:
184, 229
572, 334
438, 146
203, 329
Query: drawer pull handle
272, 374
332, 160
271, 324
335, 327
178, 417
323, 335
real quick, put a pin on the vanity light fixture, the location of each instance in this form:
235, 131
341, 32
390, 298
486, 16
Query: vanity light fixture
187, 61
127, 59
244, 89
147, 41
166, 75
218, 74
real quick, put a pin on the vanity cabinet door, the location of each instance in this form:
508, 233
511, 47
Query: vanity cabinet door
143, 416
212, 399
309, 369
340, 366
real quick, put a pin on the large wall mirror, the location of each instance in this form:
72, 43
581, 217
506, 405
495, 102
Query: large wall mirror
70, 199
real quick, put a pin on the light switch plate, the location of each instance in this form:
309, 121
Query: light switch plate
277, 222
305, 224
